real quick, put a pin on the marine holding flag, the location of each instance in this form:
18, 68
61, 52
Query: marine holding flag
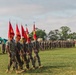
18, 48
29, 49
10, 47
36, 47
24, 47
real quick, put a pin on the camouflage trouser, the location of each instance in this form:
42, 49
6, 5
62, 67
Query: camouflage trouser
30, 58
19, 61
12, 61
38, 58
3, 48
24, 58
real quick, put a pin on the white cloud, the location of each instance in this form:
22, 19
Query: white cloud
48, 14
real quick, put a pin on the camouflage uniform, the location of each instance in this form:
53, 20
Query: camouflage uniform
29, 52
42, 45
10, 46
18, 49
23, 53
36, 51
50, 45
3, 47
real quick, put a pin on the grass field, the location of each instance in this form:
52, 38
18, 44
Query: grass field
55, 62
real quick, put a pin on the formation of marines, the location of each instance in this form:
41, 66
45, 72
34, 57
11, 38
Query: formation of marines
20, 54
45, 45
20, 50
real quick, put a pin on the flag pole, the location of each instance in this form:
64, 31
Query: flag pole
27, 42
34, 22
26, 25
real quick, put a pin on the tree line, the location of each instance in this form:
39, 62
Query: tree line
63, 33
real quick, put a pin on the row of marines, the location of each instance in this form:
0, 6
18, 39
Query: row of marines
45, 45
20, 53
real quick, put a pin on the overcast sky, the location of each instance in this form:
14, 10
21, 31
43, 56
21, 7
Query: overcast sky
47, 14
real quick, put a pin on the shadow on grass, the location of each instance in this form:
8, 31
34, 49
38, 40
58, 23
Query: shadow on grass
45, 69
3, 53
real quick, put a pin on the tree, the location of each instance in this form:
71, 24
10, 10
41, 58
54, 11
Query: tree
54, 34
40, 34
65, 32
72, 35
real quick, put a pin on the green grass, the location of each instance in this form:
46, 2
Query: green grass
55, 62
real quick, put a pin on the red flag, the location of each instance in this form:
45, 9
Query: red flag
23, 32
17, 31
34, 33
27, 33
10, 31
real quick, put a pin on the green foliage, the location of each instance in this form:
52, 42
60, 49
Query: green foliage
53, 37
55, 62
65, 32
54, 34
40, 33
72, 35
